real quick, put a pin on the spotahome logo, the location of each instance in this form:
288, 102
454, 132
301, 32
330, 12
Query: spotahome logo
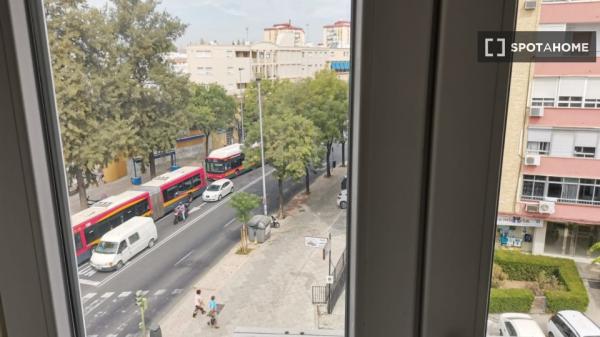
537, 46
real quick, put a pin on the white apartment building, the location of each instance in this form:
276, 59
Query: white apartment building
284, 34
337, 35
233, 66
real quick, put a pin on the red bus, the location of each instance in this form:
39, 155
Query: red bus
90, 224
169, 188
226, 162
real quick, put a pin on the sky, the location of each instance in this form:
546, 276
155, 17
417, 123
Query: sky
226, 20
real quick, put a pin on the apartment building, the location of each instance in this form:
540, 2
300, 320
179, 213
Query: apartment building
550, 192
337, 35
285, 34
233, 66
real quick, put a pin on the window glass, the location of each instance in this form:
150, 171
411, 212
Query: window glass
511, 330
122, 246
133, 238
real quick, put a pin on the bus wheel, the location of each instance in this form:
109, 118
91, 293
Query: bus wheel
119, 265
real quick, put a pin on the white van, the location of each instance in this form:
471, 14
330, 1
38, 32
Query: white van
120, 244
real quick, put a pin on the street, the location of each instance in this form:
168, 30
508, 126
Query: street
182, 254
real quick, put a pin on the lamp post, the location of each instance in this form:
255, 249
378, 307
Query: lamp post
262, 147
242, 106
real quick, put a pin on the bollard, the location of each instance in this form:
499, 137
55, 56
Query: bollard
155, 331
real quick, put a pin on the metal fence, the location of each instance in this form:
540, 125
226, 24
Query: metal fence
340, 273
320, 294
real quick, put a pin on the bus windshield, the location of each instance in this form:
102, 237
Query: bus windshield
215, 166
105, 247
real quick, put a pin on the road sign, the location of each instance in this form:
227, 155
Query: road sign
329, 279
315, 242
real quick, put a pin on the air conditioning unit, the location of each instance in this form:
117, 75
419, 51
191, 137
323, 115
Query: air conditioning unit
530, 4
536, 111
532, 160
546, 207
532, 208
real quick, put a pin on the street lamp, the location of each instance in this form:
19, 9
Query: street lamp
242, 106
262, 147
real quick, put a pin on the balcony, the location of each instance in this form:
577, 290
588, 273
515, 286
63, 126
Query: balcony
568, 117
588, 168
570, 12
571, 213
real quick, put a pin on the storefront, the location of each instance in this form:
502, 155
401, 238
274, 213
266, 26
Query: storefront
517, 232
570, 239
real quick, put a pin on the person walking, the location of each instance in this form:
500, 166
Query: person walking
213, 312
198, 304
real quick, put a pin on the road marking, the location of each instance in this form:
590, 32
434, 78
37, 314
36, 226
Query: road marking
144, 292
107, 294
184, 227
87, 297
230, 222
125, 294
197, 208
159, 292
184, 257
111, 335
176, 291
89, 282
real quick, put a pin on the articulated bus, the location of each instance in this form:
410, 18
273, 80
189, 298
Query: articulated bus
226, 162
90, 224
169, 188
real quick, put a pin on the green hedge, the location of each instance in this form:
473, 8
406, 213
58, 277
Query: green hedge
510, 300
523, 267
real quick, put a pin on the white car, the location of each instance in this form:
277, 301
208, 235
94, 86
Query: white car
521, 325
342, 199
571, 323
217, 190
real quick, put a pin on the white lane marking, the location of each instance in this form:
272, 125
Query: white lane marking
87, 297
184, 257
89, 282
86, 270
159, 292
176, 291
125, 294
111, 335
197, 208
184, 227
144, 292
230, 222
107, 294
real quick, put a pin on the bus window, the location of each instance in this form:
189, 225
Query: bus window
170, 193
196, 181
96, 231
78, 244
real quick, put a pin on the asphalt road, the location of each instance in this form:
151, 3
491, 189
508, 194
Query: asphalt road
182, 253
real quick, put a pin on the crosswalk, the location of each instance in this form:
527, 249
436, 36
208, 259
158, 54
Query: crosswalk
122, 295
86, 270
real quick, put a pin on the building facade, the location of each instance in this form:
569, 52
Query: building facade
337, 35
233, 66
285, 34
550, 190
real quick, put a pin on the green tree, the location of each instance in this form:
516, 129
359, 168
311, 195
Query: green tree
290, 142
244, 203
594, 249
210, 109
327, 107
154, 97
82, 58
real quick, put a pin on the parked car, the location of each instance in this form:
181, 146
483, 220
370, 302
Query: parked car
342, 199
122, 243
217, 190
570, 323
521, 325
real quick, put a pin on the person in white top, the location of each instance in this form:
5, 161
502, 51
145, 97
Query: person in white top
198, 304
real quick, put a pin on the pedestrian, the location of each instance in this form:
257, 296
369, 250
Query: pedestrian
212, 312
198, 304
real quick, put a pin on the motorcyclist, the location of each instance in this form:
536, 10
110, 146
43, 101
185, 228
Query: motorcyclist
180, 212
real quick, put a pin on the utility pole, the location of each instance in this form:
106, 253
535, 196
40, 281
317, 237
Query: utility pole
142, 303
242, 107
262, 147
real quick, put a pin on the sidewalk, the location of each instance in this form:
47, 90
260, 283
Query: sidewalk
271, 287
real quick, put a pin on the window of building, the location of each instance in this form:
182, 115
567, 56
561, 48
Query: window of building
584, 151
538, 101
203, 53
570, 101
541, 148
562, 189
534, 187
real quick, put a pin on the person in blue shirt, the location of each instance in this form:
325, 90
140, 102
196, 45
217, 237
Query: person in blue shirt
212, 312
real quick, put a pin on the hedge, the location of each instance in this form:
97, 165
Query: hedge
523, 267
510, 300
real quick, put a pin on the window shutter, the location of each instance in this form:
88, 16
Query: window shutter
544, 87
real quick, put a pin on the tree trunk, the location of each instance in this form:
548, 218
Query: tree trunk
307, 179
207, 138
244, 239
83, 202
152, 165
343, 153
328, 145
280, 188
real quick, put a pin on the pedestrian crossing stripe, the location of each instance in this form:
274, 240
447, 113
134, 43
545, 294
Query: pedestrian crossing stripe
159, 292
107, 294
144, 292
125, 294
87, 297
177, 291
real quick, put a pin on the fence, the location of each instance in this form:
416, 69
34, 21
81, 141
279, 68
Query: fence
340, 273
320, 294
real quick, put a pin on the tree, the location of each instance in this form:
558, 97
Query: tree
290, 142
209, 109
244, 203
154, 97
594, 249
327, 108
83, 61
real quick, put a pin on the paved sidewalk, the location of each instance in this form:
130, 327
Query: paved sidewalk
271, 287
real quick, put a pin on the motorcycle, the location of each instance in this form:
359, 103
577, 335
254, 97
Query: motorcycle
180, 213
